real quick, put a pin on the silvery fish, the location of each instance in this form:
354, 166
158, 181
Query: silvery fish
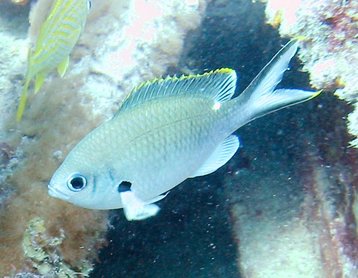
57, 37
166, 131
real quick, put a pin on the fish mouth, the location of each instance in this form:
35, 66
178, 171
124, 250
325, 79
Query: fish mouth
55, 193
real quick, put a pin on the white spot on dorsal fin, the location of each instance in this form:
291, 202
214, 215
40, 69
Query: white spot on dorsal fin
222, 154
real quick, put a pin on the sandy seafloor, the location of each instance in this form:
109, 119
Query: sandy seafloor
196, 233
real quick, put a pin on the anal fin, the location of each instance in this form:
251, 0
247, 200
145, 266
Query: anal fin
222, 154
62, 67
39, 81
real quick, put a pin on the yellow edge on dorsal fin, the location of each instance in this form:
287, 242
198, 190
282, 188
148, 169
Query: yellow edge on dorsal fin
182, 77
218, 85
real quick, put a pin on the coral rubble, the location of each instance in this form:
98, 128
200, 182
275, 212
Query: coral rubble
123, 44
329, 50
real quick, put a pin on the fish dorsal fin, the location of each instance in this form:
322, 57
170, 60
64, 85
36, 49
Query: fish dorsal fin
218, 85
222, 154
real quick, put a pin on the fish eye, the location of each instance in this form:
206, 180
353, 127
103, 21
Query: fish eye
76, 182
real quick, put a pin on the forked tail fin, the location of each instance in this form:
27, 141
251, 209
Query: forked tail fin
261, 98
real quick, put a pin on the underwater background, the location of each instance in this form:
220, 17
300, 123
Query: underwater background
286, 205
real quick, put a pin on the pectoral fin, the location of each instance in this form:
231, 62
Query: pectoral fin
136, 209
222, 154
62, 67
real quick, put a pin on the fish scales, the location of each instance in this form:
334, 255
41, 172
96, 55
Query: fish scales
166, 131
175, 138
169, 138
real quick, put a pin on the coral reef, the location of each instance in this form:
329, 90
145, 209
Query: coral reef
143, 40
37, 155
42, 251
123, 44
294, 207
329, 52
12, 56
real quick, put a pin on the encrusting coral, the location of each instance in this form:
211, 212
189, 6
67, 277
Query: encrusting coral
42, 250
83, 229
123, 44
329, 50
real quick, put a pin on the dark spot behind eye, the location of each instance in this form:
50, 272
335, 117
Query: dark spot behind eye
124, 186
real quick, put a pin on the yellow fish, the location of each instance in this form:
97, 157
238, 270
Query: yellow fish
57, 37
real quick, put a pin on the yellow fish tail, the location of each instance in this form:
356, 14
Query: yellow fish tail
23, 100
